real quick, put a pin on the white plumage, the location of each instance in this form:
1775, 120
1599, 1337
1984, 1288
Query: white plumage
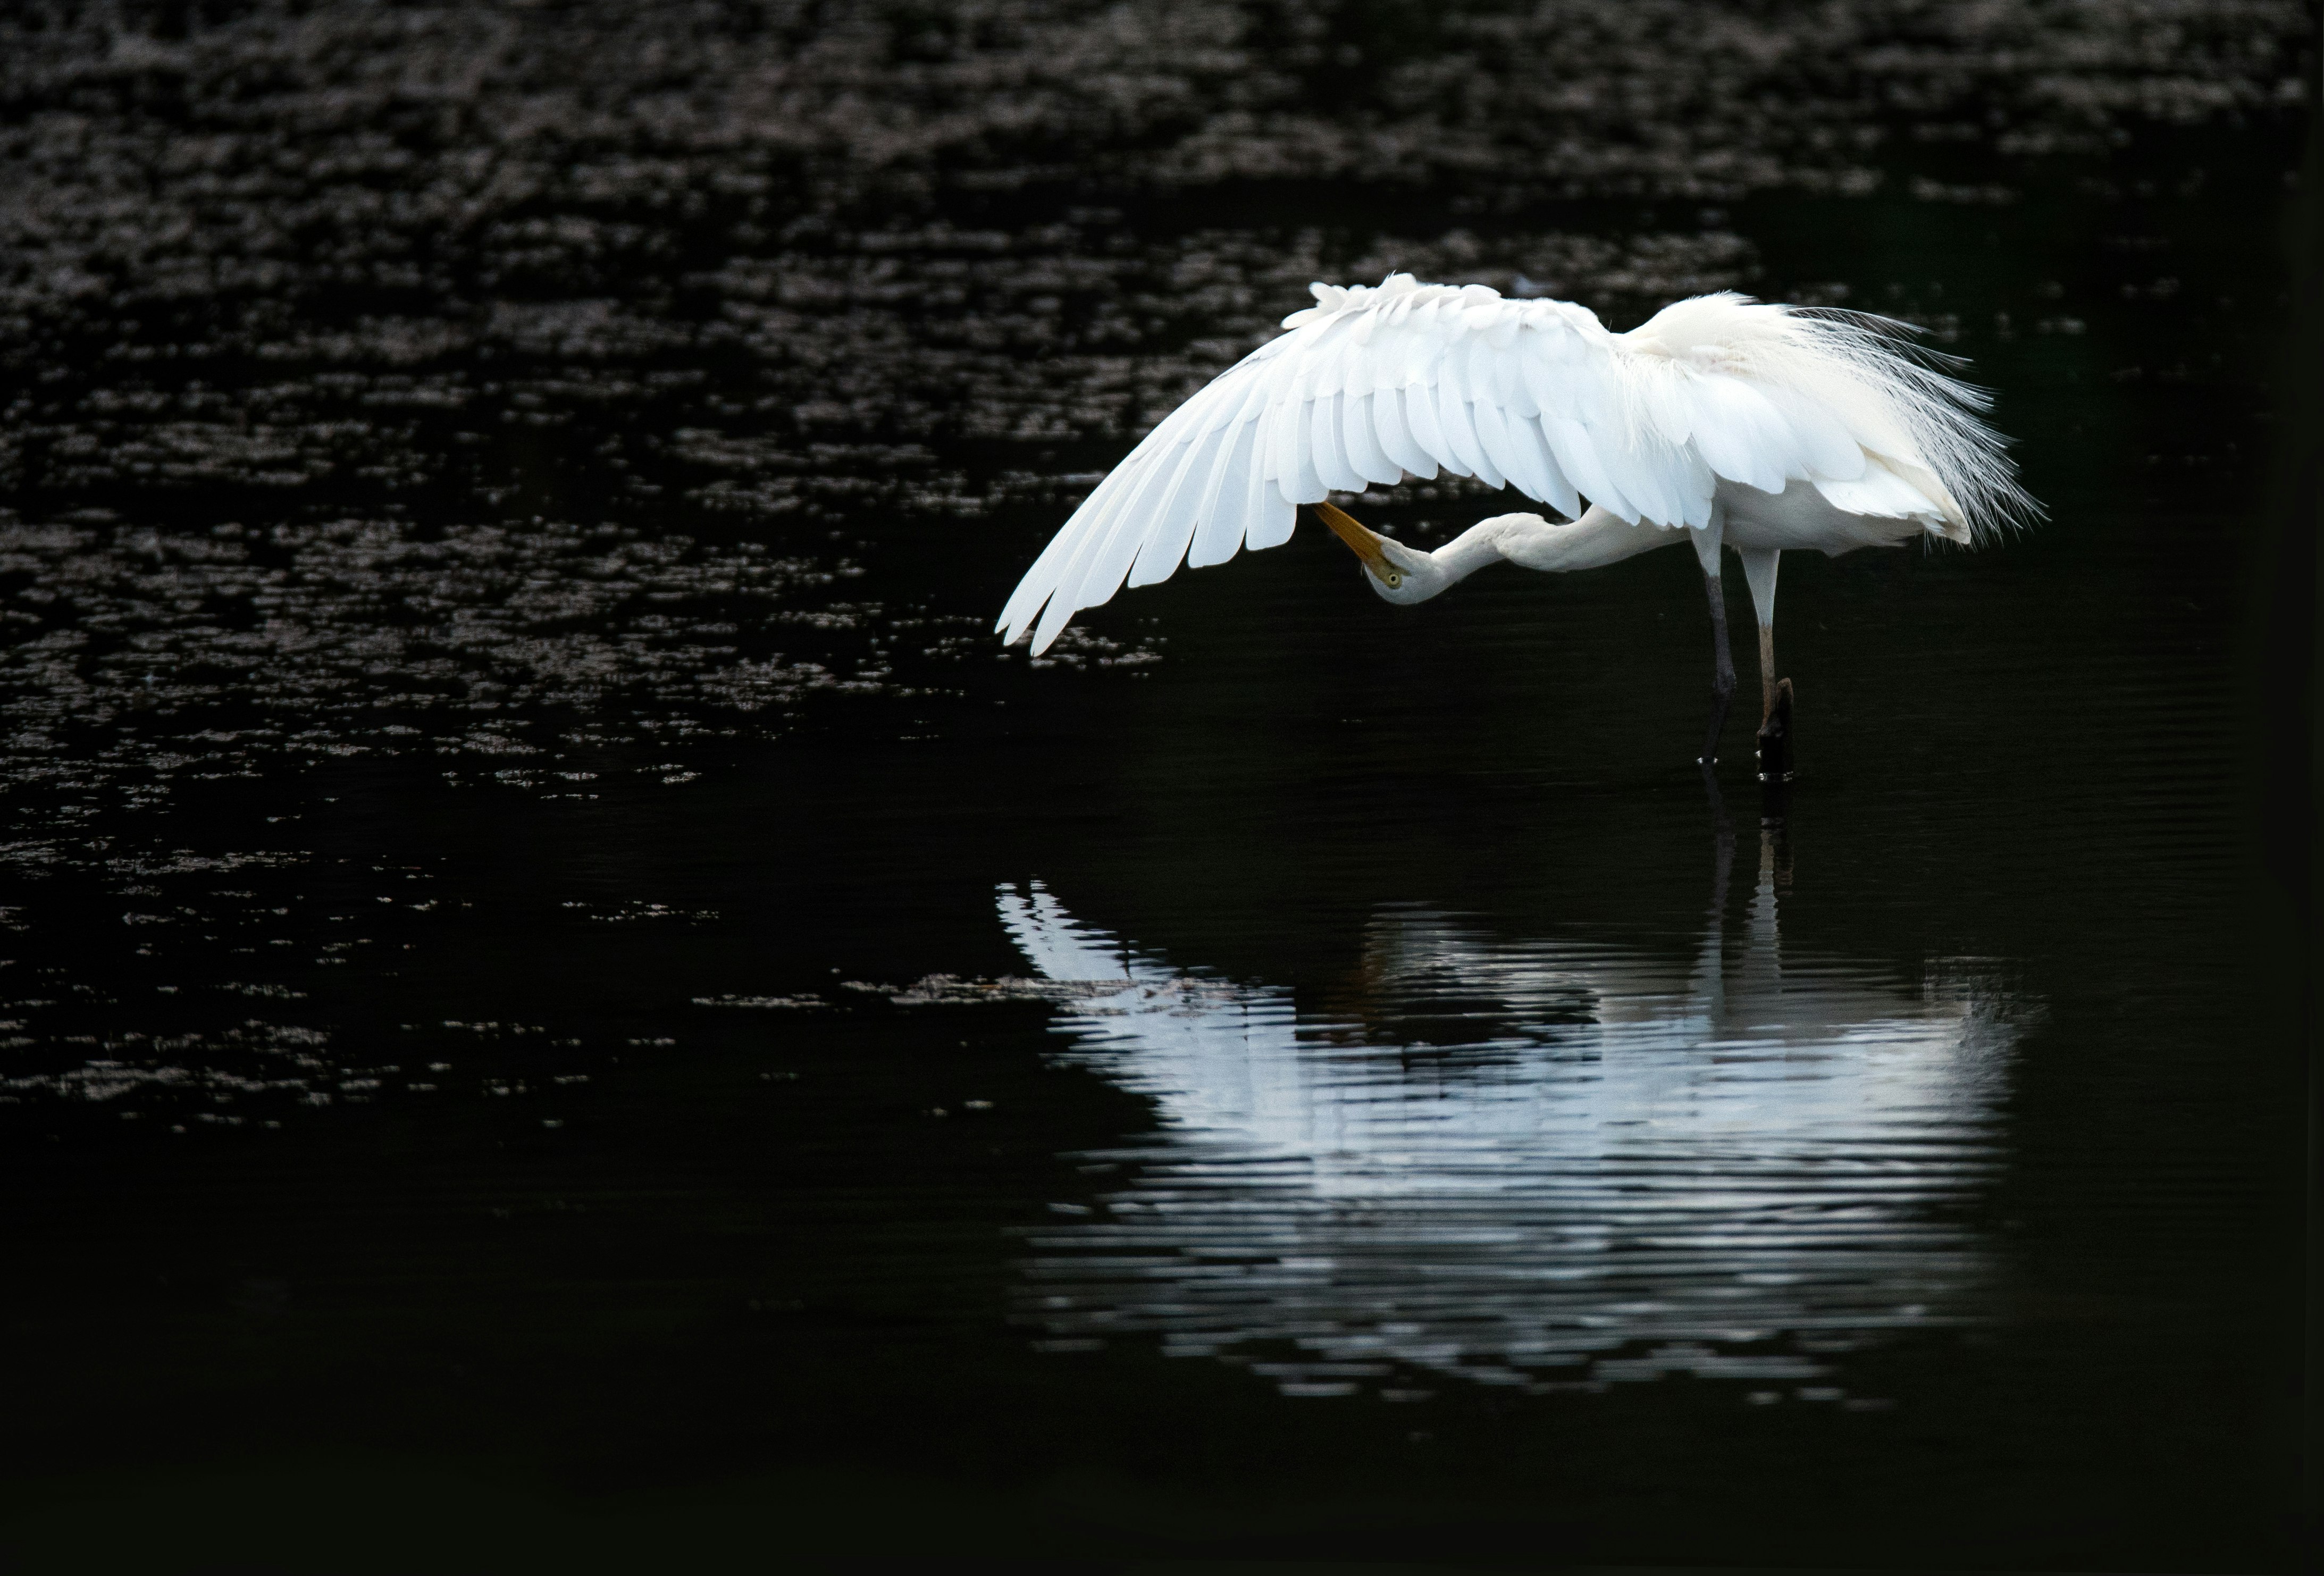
1686, 419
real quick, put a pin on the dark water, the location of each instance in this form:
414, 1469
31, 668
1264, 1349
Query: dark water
566, 1002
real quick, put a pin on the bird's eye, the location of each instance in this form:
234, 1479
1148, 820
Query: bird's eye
1393, 579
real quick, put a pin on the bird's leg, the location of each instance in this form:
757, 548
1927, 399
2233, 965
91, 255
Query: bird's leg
1759, 566
1775, 740
1766, 672
1706, 541
1722, 668
1773, 743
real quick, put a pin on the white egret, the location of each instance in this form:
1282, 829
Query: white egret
1721, 421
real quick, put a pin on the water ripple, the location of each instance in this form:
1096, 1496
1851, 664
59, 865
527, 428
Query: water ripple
1732, 1166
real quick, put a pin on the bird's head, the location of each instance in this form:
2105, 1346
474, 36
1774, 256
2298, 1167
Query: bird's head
1399, 573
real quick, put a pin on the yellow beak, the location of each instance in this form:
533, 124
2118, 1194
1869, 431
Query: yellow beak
1363, 543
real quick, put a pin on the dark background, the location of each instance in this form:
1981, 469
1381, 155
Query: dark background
501, 511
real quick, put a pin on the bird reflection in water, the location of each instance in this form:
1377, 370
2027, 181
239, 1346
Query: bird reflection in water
1624, 1165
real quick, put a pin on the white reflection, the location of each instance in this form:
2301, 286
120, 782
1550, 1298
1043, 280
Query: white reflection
1624, 1165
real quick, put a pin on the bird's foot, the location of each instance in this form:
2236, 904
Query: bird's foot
1775, 742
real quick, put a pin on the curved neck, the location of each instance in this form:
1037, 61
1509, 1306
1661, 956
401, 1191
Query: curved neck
1468, 552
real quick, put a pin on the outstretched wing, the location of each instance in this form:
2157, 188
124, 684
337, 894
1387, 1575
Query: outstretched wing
1373, 385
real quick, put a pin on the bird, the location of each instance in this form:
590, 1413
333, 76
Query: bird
1721, 421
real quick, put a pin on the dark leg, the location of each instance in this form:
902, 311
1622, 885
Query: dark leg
1775, 735
1766, 672
1722, 671
1759, 566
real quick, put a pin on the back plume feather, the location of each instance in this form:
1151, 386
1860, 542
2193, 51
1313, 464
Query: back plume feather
1891, 392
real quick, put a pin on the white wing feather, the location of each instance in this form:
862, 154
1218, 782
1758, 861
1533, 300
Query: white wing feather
1371, 386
